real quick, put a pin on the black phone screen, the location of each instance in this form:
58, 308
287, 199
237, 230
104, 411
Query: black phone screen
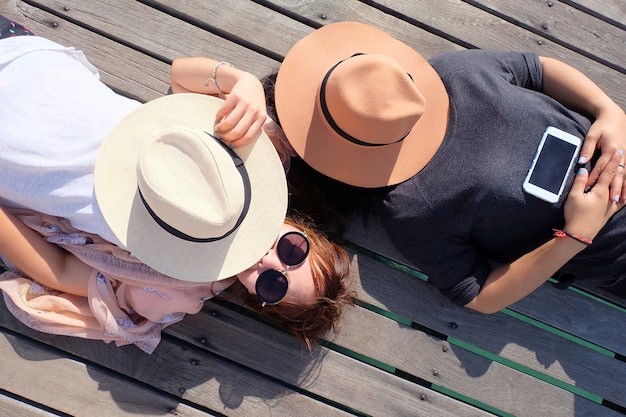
552, 164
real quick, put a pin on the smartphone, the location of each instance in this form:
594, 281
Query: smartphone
555, 158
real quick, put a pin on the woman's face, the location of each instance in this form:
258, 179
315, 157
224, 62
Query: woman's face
301, 287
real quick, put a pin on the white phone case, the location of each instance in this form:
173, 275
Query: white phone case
554, 160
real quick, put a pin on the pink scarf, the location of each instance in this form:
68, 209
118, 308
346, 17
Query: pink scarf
102, 315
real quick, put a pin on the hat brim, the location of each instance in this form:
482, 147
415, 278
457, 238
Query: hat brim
297, 87
115, 182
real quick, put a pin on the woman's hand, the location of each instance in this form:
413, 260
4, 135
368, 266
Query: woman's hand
576, 91
240, 119
587, 212
608, 134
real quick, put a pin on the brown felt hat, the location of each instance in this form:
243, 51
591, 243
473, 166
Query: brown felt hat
360, 106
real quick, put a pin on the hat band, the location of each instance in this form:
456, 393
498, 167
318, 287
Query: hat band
331, 121
246, 204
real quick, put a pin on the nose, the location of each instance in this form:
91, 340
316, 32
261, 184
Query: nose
271, 260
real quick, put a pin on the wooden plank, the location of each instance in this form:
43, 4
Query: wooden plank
462, 371
146, 28
401, 348
153, 31
46, 377
323, 372
122, 68
15, 408
581, 316
261, 31
607, 333
602, 294
613, 11
175, 369
569, 26
501, 335
466, 25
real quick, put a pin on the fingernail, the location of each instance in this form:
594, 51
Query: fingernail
582, 171
620, 152
616, 198
587, 188
582, 160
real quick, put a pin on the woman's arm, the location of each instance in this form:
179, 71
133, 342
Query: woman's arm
576, 91
240, 119
585, 214
43, 261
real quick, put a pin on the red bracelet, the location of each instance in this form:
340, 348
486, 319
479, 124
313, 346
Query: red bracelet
563, 233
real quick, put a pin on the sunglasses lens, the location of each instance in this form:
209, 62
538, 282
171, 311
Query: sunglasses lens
271, 286
293, 248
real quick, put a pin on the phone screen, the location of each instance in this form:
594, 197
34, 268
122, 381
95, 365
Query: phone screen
552, 164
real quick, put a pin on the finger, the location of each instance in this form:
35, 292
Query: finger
590, 145
617, 183
599, 166
618, 187
586, 153
587, 150
250, 135
226, 107
227, 129
580, 181
608, 173
245, 127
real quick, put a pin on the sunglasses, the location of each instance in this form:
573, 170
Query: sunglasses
272, 285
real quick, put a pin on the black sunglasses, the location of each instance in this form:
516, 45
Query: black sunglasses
272, 285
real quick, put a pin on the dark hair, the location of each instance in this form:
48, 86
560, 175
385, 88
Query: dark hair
330, 269
325, 200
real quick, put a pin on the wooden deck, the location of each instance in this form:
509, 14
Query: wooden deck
404, 349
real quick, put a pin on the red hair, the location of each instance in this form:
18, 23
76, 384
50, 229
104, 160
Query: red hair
330, 269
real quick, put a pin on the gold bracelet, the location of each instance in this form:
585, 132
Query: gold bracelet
213, 77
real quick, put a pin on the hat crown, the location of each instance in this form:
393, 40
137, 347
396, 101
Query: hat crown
372, 99
190, 182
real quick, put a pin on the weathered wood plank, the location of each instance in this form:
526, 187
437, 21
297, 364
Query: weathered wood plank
463, 371
612, 10
15, 408
45, 376
269, 32
325, 373
262, 31
175, 369
148, 29
499, 334
607, 328
467, 25
571, 27
153, 37
122, 68
401, 348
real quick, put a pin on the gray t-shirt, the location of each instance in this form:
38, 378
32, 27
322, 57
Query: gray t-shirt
467, 208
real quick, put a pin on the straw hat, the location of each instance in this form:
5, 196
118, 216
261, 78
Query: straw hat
183, 202
360, 106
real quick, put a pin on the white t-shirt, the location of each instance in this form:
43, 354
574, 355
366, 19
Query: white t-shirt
55, 114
